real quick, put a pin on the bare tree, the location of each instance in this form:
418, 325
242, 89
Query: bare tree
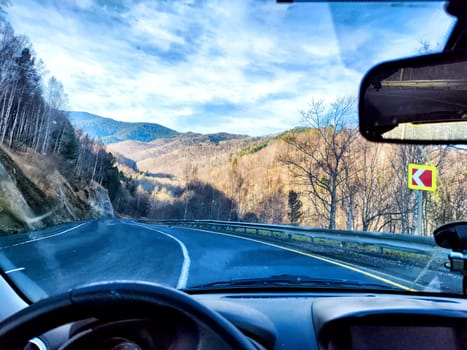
317, 156
449, 202
402, 216
370, 186
55, 102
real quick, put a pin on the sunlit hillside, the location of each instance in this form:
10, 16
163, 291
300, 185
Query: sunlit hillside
251, 179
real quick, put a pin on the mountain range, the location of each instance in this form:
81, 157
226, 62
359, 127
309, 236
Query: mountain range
109, 131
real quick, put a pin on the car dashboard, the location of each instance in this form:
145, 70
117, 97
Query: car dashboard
347, 320
275, 320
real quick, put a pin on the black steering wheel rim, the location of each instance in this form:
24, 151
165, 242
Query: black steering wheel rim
112, 300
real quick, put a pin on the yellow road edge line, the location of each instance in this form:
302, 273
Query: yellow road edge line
317, 257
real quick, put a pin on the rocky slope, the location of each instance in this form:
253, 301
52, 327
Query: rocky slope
34, 194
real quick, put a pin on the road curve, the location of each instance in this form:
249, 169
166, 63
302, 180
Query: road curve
179, 257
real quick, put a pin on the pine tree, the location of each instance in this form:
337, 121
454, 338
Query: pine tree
295, 208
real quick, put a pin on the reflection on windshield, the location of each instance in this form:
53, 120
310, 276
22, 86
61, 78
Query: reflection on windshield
197, 143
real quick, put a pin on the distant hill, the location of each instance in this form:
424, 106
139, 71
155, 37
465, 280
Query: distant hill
108, 130
198, 149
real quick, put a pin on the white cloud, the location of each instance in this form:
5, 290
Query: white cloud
153, 26
84, 4
170, 62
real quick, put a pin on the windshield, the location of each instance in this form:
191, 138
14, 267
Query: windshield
214, 144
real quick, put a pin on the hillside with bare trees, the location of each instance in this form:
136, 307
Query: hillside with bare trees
50, 173
338, 179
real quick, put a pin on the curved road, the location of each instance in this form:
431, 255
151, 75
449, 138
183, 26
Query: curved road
179, 257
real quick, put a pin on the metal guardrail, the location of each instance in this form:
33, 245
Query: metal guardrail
355, 239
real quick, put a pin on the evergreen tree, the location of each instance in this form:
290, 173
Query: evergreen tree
295, 213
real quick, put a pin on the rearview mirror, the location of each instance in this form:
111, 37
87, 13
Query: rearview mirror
416, 100
452, 236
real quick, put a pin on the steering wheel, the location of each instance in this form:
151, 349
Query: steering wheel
112, 300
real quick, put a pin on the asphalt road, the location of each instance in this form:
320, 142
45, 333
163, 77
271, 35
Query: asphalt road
94, 251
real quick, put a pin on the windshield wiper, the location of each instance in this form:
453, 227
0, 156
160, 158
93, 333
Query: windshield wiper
287, 280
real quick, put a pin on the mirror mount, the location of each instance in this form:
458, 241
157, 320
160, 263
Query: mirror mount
454, 236
457, 40
457, 8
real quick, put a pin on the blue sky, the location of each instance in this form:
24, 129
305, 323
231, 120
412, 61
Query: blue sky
207, 66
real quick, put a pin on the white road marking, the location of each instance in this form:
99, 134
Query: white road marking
416, 177
41, 238
183, 279
14, 270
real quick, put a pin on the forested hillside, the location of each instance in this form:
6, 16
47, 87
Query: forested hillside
107, 130
322, 175
50, 173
